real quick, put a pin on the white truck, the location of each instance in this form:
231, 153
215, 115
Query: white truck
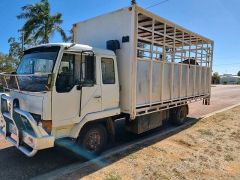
128, 64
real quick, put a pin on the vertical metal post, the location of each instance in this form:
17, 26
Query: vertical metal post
188, 69
201, 53
210, 74
134, 64
4, 77
16, 79
180, 79
207, 69
151, 63
195, 70
172, 62
164, 60
181, 70
202, 66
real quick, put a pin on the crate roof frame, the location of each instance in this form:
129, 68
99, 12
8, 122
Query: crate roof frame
192, 37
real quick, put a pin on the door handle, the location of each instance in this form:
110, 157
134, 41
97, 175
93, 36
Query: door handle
97, 96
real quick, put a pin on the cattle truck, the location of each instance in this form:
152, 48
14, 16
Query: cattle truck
129, 64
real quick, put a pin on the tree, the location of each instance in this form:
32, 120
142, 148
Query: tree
40, 25
215, 78
7, 63
238, 73
15, 50
133, 2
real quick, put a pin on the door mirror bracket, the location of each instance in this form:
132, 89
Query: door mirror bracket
79, 87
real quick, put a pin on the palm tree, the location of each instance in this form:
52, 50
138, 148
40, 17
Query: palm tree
40, 25
133, 2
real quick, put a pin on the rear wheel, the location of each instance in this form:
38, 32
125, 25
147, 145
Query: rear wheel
93, 139
179, 114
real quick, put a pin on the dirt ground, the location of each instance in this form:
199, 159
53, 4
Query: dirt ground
210, 149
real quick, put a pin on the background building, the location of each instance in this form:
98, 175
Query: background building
229, 79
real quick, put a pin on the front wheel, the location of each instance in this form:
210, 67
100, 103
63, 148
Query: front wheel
93, 139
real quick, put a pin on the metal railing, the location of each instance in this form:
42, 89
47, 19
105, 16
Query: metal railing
26, 82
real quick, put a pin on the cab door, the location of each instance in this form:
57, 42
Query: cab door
91, 97
77, 90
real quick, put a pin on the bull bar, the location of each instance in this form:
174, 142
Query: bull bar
21, 129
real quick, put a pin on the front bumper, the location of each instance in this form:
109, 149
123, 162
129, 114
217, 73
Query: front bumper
20, 128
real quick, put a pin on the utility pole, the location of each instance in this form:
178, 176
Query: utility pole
133, 2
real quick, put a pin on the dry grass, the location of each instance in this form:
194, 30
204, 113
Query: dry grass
208, 150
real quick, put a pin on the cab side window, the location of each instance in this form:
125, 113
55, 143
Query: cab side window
88, 77
65, 78
108, 72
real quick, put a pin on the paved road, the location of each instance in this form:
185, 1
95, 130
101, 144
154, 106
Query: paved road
222, 96
15, 165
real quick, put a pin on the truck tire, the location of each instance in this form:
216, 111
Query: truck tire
179, 114
93, 139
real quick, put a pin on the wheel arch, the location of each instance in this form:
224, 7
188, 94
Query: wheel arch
105, 117
107, 122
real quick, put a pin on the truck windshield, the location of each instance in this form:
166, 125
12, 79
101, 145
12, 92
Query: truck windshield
38, 61
34, 70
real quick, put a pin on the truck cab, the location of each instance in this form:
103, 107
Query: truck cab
57, 90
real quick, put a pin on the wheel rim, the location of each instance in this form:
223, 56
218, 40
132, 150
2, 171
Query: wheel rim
93, 141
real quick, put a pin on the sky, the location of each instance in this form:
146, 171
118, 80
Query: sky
218, 20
